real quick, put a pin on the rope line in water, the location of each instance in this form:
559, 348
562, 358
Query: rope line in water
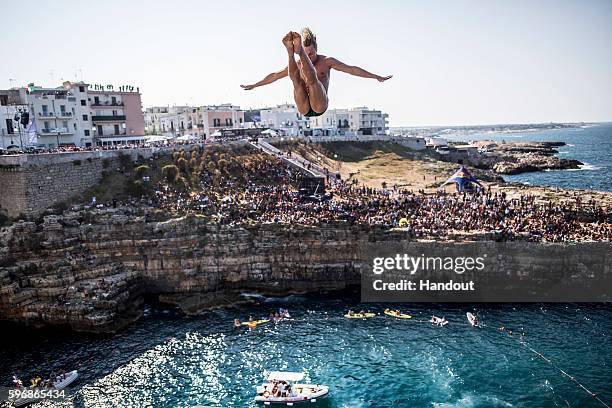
564, 373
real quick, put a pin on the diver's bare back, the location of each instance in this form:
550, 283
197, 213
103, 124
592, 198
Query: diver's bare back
323, 66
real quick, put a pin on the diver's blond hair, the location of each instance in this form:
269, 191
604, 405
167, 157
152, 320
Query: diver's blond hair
308, 37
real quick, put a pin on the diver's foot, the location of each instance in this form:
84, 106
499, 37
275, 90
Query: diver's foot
297, 43
288, 42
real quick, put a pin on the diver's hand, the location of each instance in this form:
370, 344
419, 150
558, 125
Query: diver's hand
383, 79
247, 87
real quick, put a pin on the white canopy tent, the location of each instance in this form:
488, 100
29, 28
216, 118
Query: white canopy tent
187, 138
270, 132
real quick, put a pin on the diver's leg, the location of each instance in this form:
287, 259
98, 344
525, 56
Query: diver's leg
299, 87
317, 95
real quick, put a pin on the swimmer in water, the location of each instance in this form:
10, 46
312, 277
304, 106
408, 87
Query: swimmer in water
310, 74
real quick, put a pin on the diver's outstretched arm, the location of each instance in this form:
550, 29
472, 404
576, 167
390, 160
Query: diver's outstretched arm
267, 80
360, 72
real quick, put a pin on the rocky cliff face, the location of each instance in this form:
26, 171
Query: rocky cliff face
90, 271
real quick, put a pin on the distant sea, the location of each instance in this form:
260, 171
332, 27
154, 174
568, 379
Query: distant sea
590, 144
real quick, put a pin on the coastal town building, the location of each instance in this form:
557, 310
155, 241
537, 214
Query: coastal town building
355, 121
284, 118
217, 117
200, 121
12, 103
152, 119
172, 121
77, 114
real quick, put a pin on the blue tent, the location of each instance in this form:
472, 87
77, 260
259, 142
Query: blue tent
463, 179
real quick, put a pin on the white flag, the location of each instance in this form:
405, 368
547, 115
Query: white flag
31, 131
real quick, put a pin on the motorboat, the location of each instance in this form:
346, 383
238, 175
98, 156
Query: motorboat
60, 382
472, 319
282, 388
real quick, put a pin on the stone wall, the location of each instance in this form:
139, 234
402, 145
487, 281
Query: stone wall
29, 184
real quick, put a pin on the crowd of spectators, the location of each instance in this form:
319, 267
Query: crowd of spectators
16, 150
265, 190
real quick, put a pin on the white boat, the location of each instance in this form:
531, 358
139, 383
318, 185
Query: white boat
472, 319
60, 382
294, 393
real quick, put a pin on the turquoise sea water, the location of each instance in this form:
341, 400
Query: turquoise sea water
170, 360
591, 145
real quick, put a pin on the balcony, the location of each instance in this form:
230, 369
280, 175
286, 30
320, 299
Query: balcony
45, 114
108, 118
64, 114
62, 131
111, 135
106, 103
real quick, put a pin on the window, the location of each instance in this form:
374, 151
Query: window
81, 89
45, 109
74, 125
85, 117
3, 100
96, 100
86, 132
65, 124
228, 121
47, 126
9, 126
83, 102
116, 129
216, 122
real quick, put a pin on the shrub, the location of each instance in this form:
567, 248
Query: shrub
142, 170
170, 172
182, 165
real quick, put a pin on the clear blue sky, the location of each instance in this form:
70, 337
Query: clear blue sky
454, 62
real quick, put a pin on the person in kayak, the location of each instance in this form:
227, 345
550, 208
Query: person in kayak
310, 74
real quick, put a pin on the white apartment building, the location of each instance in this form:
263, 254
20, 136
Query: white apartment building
171, 120
360, 121
58, 116
284, 118
152, 118
200, 121
334, 122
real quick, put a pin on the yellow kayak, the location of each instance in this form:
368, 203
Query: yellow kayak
256, 322
359, 315
392, 313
